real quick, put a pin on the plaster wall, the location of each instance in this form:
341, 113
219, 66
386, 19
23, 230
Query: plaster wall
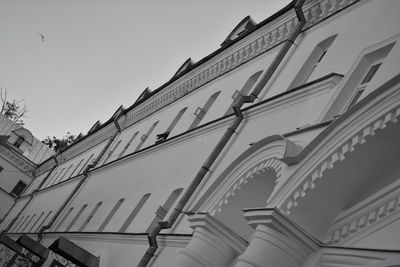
10, 176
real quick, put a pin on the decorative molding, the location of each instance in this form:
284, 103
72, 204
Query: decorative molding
346, 146
268, 37
268, 164
368, 218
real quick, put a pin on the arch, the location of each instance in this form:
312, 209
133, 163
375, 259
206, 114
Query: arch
266, 154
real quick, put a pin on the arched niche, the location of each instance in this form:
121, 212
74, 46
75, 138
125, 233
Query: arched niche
347, 181
247, 182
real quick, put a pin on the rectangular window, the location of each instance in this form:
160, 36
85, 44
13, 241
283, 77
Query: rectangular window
18, 189
110, 215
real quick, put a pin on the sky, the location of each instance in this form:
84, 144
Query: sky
98, 55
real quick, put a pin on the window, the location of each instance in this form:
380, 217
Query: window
86, 163
35, 223
86, 222
23, 229
315, 58
364, 82
20, 140
16, 225
44, 221
77, 167
164, 209
109, 154
128, 144
110, 215
18, 189
63, 219
134, 212
163, 136
244, 91
145, 136
201, 112
76, 218
1, 169
361, 75
22, 224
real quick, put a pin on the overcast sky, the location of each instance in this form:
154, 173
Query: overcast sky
97, 55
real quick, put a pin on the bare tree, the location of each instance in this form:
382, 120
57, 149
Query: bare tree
15, 110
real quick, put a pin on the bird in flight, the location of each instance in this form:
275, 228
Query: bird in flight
41, 35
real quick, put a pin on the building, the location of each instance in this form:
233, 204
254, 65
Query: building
20, 153
278, 149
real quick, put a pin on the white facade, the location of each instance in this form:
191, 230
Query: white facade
308, 178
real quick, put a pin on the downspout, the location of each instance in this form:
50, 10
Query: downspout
81, 182
30, 197
157, 227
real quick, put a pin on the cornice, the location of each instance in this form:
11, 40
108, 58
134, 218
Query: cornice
240, 53
170, 240
17, 159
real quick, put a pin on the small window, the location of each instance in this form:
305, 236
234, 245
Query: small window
201, 112
35, 223
110, 215
63, 219
312, 62
18, 189
20, 140
145, 136
128, 144
1, 169
89, 218
17, 230
109, 154
245, 90
134, 212
71, 224
44, 220
364, 83
29, 222
76, 168
16, 224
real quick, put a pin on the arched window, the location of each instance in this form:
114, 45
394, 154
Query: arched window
134, 212
128, 144
244, 91
71, 224
163, 136
201, 112
145, 136
89, 218
110, 215
164, 209
312, 62
109, 154
63, 219
35, 223
44, 220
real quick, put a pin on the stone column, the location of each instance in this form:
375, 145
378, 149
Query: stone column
212, 244
277, 241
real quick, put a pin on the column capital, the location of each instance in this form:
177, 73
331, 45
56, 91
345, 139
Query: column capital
218, 229
274, 219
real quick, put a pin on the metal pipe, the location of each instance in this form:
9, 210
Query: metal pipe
81, 182
157, 227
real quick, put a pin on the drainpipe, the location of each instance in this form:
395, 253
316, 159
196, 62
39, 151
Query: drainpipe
81, 182
157, 227
30, 197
